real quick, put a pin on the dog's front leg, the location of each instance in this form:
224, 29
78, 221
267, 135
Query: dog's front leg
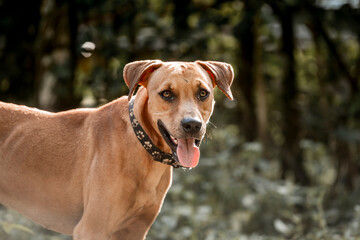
138, 228
92, 226
100, 217
100, 225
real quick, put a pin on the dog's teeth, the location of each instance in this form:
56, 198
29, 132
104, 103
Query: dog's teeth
174, 140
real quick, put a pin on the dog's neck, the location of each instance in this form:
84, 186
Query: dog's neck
142, 129
142, 115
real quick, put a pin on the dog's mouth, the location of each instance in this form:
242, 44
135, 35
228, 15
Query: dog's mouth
186, 149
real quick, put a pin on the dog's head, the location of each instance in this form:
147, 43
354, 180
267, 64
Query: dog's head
180, 99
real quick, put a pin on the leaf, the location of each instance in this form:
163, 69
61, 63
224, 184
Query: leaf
8, 227
282, 227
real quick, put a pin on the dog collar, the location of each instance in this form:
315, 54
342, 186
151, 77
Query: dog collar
144, 139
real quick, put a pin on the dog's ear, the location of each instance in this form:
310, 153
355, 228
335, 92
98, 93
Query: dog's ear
222, 75
137, 73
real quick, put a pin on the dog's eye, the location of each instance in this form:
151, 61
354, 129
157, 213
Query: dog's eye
167, 95
203, 94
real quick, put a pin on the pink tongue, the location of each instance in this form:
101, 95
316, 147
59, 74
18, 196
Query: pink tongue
187, 152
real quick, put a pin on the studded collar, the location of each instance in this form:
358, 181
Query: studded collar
144, 139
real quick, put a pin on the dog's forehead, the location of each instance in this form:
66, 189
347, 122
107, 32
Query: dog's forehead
184, 71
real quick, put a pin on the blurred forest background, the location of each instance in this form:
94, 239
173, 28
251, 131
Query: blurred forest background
282, 161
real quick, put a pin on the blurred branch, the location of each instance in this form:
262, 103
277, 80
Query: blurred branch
357, 66
319, 27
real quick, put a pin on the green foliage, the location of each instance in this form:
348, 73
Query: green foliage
234, 194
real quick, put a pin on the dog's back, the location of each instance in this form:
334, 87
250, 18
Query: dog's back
12, 115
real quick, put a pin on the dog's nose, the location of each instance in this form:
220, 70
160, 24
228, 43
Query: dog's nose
191, 125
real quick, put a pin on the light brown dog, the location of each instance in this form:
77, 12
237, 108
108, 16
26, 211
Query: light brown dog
85, 173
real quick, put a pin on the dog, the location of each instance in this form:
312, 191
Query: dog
103, 173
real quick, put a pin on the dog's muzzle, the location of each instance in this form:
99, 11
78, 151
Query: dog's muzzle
186, 147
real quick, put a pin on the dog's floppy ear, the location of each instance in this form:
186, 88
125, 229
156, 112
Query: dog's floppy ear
222, 75
137, 72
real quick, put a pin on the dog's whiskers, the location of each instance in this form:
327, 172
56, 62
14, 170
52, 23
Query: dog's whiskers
212, 124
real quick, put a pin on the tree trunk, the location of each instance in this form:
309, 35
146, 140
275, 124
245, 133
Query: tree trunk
291, 154
261, 99
56, 56
245, 32
18, 30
